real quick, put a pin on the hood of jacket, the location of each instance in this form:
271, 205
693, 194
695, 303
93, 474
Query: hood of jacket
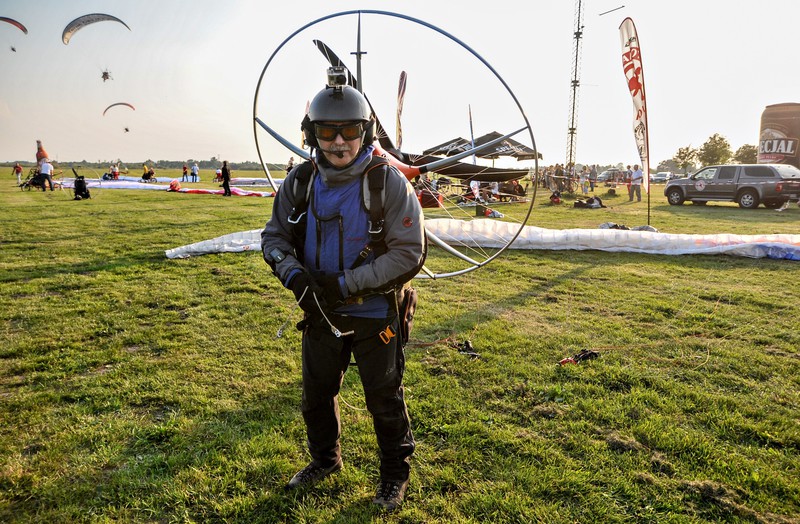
333, 176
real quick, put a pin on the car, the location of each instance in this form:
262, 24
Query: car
746, 184
660, 177
611, 177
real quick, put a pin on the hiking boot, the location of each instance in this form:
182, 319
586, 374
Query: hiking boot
390, 494
312, 474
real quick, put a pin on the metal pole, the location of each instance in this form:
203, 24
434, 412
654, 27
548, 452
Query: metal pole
575, 84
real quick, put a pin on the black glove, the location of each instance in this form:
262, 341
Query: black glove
331, 290
304, 288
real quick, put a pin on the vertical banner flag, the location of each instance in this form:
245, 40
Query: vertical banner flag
634, 76
401, 93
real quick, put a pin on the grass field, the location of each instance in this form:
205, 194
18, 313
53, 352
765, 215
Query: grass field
134, 388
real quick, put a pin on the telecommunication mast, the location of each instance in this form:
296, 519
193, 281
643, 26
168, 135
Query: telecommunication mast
572, 129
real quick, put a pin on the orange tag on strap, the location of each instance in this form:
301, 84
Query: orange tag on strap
387, 334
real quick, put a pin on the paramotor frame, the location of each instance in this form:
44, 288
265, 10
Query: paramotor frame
466, 252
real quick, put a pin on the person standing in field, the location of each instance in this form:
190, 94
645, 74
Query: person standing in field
17, 170
46, 172
637, 178
195, 172
628, 177
185, 176
348, 265
583, 180
226, 179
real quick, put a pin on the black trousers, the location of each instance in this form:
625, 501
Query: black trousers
380, 365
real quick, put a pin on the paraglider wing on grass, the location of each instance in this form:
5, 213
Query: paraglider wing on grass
491, 233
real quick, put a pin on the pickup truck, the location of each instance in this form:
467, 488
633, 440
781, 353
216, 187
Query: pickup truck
746, 184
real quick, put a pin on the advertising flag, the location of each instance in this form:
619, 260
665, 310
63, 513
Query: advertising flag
634, 76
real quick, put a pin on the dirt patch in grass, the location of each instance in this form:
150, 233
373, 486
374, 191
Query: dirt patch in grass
624, 445
726, 499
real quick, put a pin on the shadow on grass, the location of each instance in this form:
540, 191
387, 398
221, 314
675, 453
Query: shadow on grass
152, 261
166, 472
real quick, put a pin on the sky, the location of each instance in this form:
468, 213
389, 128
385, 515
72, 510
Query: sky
197, 70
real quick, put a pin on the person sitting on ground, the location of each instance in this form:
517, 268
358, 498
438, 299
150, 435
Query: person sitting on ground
423, 182
511, 190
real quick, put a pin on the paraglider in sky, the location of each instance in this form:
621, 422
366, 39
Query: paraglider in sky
15, 24
127, 130
83, 21
106, 75
118, 104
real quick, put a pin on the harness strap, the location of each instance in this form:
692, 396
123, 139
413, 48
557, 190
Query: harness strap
376, 179
301, 192
302, 189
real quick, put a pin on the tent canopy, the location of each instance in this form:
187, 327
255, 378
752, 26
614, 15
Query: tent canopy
508, 147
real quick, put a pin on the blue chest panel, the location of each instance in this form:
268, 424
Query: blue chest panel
337, 228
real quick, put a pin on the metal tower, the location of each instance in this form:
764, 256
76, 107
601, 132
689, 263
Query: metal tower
573, 97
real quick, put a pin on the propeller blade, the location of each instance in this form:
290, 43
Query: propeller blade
401, 94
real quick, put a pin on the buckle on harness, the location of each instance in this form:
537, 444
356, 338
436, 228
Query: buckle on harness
387, 334
378, 227
296, 220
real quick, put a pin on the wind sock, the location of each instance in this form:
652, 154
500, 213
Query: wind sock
634, 76
401, 93
41, 154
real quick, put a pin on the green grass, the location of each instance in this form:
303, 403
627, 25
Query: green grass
134, 388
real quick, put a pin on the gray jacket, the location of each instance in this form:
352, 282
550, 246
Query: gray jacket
405, 232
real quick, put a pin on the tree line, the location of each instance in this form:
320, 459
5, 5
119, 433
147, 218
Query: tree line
212, 164
715, 150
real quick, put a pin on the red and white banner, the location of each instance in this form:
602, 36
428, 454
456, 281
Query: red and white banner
634, 76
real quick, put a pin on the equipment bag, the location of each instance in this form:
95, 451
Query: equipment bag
406, 306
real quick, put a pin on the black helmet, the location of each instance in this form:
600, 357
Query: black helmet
338, 104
